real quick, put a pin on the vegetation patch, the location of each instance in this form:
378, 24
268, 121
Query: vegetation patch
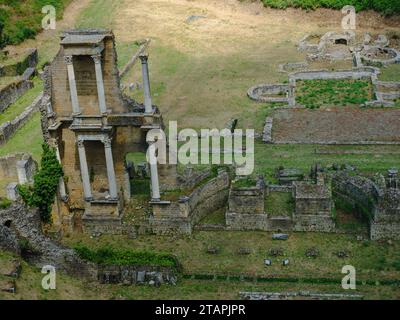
216, 217
41, 194
110, 256
247, 182
279, 204
317, 93
20, 20
4, 203
386, 7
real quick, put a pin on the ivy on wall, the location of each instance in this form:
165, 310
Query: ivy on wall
41, 195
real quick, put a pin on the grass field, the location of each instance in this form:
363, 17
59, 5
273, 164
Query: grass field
373, 260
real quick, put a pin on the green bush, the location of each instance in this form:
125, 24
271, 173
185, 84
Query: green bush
4, 203
41, 194
385, 7
110, 256
20, 20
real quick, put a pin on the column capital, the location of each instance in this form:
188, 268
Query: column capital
107, 142
68, 59
80, 142
144, 57
96, 58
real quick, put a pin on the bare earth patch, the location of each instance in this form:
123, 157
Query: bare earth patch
336, 125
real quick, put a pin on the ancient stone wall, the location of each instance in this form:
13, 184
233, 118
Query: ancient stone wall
132, 275
380, 205
246, 208
10, 93
18, 68
180, 216
9, 128
16, 168
26, 225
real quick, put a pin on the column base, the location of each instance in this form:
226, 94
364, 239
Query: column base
88, 199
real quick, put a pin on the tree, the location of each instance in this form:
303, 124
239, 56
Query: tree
41, 195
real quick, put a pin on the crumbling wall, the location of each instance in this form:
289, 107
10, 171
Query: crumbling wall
25, 224
10, 93
380, 205
180, 216
9, 128
30, 61
246, 208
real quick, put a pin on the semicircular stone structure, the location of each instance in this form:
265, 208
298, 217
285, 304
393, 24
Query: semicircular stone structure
269, 93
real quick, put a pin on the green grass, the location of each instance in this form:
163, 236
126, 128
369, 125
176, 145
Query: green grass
216, 217
19, 106
27, 139
247, 182
99, 14
279, 204
376, 158
390, 73
372, 259
317, 93
110, 256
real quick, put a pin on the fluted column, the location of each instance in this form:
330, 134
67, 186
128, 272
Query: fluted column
100, 83
146, 84
61, 183
112, 182
155, 186
84, 171
72, 85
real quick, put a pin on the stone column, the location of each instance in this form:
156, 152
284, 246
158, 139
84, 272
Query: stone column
63, 193
112, 182
72, 85
84, 171
155, 186
100, 83
146, 84
21, 171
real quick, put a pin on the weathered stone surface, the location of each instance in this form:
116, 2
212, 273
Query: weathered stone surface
8, 240
7, 285
280, 236
10, 268
10, 93
28, 227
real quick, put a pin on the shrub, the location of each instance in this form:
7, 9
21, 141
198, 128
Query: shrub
41, 194
385, 7
4, 203
110, 256
22, 19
